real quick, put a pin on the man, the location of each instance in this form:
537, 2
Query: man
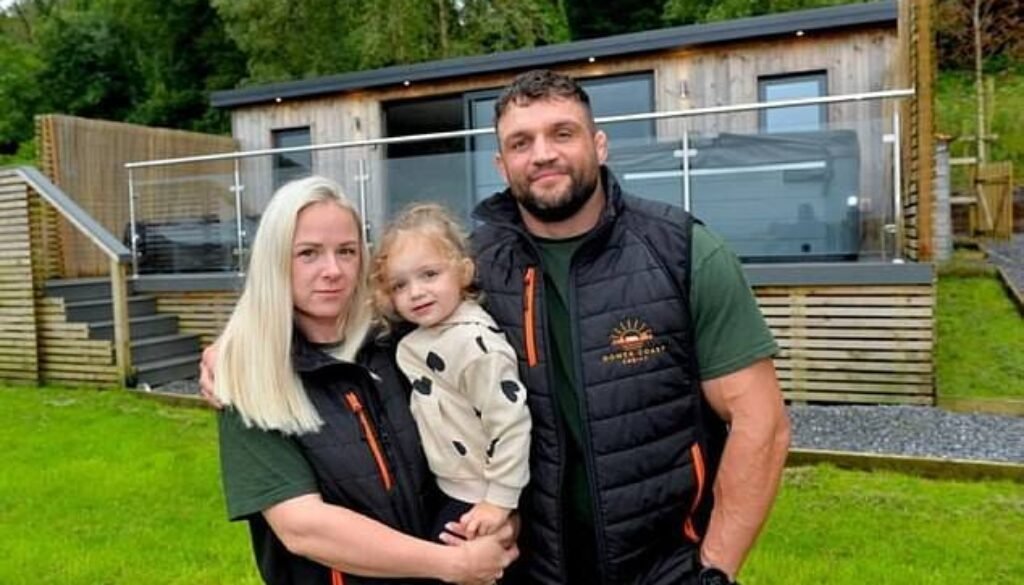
648, 362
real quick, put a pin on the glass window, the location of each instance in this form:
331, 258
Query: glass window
609, 96
432, 170
788, 87
289, 166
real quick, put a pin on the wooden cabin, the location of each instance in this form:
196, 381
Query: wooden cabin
827, 200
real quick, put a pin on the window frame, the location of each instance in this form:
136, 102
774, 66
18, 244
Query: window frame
765, 81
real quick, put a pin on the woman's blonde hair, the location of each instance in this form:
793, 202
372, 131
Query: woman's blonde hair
254, 371
432, 221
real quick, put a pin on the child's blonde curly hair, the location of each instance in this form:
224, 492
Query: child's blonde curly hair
432, 221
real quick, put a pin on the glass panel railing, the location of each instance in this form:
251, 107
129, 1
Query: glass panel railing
818, 195
185, 218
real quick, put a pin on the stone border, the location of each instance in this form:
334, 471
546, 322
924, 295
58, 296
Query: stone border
1011, 290
930, 467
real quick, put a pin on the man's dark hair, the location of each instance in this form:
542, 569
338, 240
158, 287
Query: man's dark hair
540, 84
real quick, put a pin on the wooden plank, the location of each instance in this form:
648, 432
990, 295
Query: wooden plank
855, 354
840, 376
853, 366
845, 322
823, 301
85, 360
847, 387
854, 398
801, 332
847, 311
877, 344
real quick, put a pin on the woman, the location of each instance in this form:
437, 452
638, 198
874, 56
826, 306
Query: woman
318, 449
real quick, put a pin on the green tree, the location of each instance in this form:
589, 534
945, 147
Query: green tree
87, 66
293, 39
18, 69
678, 12
601, 18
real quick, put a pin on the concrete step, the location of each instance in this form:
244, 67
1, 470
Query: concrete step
150, 349
167, 370
140, 327
80, 289
103, 309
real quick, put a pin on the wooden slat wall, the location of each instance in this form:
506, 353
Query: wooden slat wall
19, 355
86, 158
859, 344
201, 313
67, 355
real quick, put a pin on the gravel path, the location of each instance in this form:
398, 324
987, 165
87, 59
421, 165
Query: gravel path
1010, 257
919, 431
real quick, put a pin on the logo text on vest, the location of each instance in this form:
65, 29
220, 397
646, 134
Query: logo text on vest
632, 343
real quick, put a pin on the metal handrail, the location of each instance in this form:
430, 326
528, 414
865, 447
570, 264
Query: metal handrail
117, 253
78, 217
753, 106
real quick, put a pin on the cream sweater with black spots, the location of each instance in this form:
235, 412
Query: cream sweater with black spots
470, 407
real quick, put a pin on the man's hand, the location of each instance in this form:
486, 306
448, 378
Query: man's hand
206, 367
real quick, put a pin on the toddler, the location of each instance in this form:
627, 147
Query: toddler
466, 397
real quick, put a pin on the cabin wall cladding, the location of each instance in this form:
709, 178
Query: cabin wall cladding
86, 158
201, 313
19, 354
859, 344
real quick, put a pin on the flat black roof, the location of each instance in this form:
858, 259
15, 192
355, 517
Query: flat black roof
771, 25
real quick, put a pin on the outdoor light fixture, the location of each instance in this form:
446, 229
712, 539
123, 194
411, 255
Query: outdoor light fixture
799, 33
591, 59
406, 83
277, 100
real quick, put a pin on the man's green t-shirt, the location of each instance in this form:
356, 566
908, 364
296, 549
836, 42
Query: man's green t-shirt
730, 335
259, 468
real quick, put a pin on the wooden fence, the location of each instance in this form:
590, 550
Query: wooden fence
86, 158
992, 212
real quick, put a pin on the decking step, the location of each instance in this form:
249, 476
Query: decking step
140, 327
79, 289
93, 310
164, 346
168, 370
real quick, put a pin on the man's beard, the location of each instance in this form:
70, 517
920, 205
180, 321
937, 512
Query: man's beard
563, 207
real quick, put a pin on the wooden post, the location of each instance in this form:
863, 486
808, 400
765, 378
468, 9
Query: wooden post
122, 332
924, 124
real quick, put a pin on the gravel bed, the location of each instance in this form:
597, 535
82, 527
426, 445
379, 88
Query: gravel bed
919, 431
186, 387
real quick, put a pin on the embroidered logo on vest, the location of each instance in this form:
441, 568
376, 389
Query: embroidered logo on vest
632, 343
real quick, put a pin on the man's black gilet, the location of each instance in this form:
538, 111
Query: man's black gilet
651, 443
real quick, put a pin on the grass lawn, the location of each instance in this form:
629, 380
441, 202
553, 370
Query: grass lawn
980, 340
105, 487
